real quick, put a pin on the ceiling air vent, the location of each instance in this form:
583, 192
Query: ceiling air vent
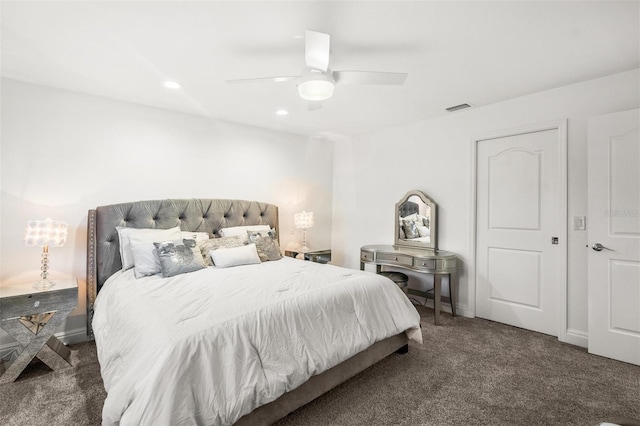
458, 107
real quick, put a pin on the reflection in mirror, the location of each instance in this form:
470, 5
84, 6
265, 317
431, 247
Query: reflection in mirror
416, 221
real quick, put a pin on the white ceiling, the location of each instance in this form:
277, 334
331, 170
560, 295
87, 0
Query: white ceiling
479, 52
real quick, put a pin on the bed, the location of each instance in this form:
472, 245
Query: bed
240, 345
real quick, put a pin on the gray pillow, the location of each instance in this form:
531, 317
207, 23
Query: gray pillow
217, 243
266, 245
410, 229
179, 257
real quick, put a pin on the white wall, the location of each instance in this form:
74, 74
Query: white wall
373, 171
63, 153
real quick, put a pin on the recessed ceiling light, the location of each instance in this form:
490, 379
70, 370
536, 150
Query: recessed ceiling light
282, 112
280, 79
172, 85
298, 36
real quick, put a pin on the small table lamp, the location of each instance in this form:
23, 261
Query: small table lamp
45, 233
304, 221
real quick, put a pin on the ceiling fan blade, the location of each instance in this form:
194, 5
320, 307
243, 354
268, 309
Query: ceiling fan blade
369, 77
314, 105
316, 50
264, 79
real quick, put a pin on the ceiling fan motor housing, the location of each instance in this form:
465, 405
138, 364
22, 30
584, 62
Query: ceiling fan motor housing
316, 85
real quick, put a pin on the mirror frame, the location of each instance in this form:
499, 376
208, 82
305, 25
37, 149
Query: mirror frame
433, 222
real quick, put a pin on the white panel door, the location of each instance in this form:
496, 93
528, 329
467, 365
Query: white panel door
614, 223
520, 208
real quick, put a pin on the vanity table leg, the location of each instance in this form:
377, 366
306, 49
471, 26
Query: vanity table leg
453, 288
437, 290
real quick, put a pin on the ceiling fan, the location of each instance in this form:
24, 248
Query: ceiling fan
317, 80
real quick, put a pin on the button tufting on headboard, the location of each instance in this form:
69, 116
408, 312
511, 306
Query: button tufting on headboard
197, 215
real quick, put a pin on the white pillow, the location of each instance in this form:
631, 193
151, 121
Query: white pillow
146, 260
242, 230
197, 236
423, 231
227, 257
124, 233
413, 216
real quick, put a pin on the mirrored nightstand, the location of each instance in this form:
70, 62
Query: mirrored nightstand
31, 317
318, 256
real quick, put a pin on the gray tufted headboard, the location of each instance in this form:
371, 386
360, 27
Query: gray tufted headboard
407, 208
201, 215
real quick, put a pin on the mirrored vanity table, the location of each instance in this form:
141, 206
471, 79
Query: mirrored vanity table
416, 249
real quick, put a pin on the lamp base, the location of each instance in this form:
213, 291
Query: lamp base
43, 285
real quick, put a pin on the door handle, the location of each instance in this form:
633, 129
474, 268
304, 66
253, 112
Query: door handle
600, 247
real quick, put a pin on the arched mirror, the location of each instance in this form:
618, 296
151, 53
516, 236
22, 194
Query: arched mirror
416, 221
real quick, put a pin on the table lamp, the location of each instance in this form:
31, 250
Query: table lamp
304, 221
45, 233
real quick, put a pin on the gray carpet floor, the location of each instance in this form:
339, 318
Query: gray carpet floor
467, 372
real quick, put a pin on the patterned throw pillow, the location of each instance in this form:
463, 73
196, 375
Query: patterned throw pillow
266, 245
217, 243
410, 229
179, 257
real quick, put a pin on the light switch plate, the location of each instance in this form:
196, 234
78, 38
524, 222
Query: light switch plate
579, 223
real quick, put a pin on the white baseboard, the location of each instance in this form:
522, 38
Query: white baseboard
573, 336
464, 311
461, 310
577, 337
10, 351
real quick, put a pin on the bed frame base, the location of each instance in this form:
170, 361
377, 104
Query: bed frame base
318, 385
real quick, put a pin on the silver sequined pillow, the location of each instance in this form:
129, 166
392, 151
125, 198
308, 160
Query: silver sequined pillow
410, 229
266, 245
216, 243
179, 257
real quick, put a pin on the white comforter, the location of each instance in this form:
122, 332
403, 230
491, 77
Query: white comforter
210, 346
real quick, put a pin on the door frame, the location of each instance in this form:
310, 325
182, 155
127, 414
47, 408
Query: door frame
560, 126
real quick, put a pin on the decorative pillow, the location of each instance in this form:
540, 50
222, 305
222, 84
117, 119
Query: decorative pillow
145, 257
425, 222
227, 257
412, 217
266, 245
410, 229
218, 243
264, 232
148, 234
198, 236
179, 257
423, 231
242, 230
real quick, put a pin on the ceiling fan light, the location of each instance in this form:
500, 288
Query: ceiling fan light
316, 90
